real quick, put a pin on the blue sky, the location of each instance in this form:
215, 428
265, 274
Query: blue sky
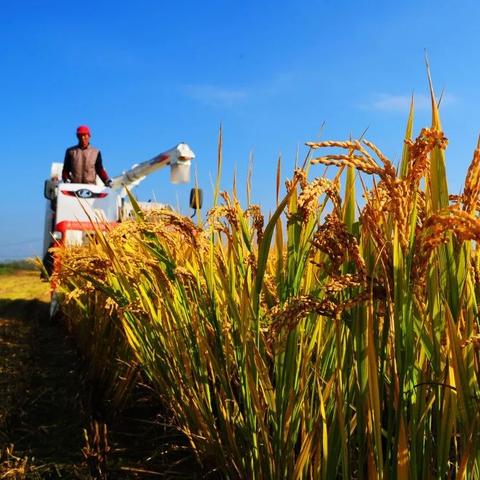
146, 75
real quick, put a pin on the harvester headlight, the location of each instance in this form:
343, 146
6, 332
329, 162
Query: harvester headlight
57, 235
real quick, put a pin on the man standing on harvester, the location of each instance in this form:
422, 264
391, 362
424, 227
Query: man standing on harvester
83, 162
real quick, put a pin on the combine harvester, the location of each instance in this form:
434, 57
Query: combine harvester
75, 210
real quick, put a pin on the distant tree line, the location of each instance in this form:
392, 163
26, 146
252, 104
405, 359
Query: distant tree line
8, 266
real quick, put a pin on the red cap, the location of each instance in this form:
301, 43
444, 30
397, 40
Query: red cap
83, 129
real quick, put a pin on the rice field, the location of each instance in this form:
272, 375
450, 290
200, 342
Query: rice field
332, 339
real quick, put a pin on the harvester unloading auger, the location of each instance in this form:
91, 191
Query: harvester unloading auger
74, 210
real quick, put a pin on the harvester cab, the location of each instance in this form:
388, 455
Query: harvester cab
74, 211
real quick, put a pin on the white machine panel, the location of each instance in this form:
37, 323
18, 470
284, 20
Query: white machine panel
79, 202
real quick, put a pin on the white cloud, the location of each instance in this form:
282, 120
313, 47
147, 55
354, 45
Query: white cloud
281, 83
216, 96
387, 102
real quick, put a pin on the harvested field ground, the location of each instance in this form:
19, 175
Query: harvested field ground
40, 407
49, 425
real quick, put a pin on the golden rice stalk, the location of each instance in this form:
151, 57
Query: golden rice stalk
357, 161
308, 198
288, 316
299, 178
255, 212
339, 283
435, 232
230, 213
362, 161
333, 239
419, 151
472, 183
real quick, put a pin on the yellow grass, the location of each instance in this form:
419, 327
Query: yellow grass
24, 284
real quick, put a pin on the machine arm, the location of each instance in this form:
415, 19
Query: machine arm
180, 155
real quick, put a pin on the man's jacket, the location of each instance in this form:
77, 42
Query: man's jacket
82, 165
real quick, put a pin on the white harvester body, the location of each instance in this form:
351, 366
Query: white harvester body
73, 209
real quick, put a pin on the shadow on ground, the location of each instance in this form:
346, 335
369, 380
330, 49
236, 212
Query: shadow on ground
49, 425
24, 310
41, 411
